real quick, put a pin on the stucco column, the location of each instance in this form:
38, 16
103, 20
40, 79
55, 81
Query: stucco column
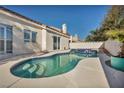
44, 38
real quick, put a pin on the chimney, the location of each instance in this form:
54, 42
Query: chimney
64, 28
76, 37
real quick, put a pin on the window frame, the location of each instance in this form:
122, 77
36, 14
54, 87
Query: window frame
35, 36
5, 39
10, 40
29, 39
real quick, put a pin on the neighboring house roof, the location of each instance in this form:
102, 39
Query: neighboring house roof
36, 22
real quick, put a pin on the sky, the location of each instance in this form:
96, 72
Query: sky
79, 19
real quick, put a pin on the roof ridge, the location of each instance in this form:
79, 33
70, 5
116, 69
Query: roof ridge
22, 16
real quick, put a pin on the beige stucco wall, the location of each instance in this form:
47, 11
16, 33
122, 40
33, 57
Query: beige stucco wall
19, 47
64, 41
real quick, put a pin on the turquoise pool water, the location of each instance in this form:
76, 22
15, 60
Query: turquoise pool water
47, 66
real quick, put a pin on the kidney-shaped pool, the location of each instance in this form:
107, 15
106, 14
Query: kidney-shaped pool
47, 66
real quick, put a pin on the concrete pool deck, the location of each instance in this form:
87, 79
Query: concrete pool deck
114, 77
87, 74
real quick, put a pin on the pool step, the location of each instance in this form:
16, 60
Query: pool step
33, 68
26, 66
37, 69
40, 70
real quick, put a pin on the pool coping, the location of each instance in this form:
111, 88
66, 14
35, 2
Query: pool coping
114, 77
9, 80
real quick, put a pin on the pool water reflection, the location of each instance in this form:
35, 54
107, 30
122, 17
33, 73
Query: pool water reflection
48, 66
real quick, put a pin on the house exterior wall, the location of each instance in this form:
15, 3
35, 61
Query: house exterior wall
64, 41
44, 39
19, 46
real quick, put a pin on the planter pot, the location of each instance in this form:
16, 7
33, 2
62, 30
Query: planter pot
117, 62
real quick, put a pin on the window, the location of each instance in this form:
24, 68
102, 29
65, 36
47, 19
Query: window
9, 46
9, 32
9, 39
27, 36
5, 39
1, 46
30, 36
2, 34
34, 35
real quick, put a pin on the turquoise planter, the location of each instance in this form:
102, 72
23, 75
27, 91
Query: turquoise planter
117, 63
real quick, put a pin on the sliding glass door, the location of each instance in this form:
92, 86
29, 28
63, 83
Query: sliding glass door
5, 39
56, 43
2, 39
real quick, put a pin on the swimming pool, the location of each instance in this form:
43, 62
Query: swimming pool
47, 66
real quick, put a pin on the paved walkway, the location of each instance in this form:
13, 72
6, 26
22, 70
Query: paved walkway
115, 77
17, 57
87, 73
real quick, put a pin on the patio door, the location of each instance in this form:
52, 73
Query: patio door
58, 43
54, 42
2, 39
5, 39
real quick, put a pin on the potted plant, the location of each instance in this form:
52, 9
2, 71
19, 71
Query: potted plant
117, 61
